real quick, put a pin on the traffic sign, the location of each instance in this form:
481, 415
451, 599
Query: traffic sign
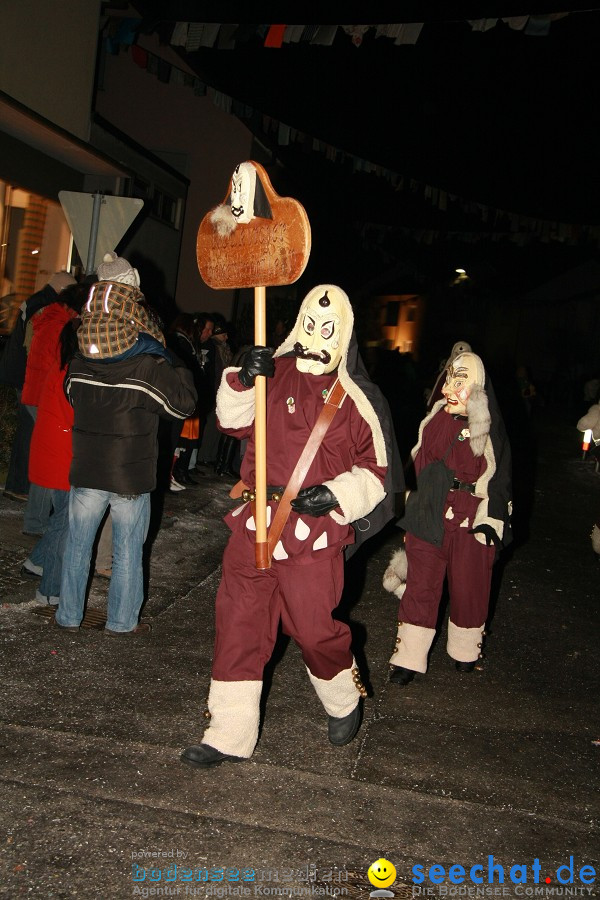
97, 222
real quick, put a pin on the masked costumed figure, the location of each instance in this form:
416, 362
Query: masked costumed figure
436, 391
455, 521
349, 479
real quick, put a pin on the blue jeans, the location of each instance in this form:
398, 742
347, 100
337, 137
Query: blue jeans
36, 517
130, 521
49, 550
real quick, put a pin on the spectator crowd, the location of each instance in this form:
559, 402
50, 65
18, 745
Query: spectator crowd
113, 407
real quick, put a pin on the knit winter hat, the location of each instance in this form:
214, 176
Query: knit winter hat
115, 268
61, 280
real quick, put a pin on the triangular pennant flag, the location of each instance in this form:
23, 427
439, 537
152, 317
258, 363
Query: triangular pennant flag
274, 36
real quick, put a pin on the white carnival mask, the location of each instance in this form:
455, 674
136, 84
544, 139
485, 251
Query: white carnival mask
243, 188
463, 372
321, 330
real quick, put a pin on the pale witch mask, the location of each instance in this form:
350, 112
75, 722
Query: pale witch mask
243, 187
464, 372
318, 337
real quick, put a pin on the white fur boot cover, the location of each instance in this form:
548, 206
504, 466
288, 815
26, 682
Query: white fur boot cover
412, 646
464, 644
394, 577
234, 708
341, 693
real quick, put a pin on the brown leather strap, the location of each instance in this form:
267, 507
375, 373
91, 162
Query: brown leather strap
332, 404
236, 491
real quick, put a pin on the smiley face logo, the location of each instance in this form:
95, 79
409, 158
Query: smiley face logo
381, 873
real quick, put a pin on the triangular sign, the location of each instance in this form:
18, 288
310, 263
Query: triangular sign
116, 215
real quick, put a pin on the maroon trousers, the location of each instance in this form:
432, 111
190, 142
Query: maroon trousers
468, 566
251, 603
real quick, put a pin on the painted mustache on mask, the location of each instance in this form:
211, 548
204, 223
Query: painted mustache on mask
303, 352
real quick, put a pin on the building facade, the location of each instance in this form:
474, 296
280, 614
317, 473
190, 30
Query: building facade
76, 116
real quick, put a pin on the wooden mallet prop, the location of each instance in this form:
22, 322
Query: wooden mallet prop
255, 239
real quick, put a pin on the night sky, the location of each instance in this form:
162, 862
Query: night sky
501, 117
501, 120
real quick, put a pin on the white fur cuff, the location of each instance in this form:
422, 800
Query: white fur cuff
412, 646
464, 644
234, 708
340, 694
357, 492
235, 409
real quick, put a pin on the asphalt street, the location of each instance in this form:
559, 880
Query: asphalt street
478, 775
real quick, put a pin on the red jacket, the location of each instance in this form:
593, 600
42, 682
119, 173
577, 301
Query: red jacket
50, 450
44, 354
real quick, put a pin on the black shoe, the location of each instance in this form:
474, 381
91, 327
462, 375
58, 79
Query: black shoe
15, 495
184, 477
400, 675
168, 521
465, 666
342, 731
205, 757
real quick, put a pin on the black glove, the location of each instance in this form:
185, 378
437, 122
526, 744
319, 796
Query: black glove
314, 501
257, 361
490, 535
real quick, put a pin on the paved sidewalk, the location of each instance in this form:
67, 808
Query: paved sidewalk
450, 770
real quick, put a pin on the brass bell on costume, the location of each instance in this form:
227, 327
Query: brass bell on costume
358, 683
248, 495
399, 639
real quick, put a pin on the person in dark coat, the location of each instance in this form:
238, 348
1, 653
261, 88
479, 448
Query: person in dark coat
216, 448
182, 339
13, 368
50, 449
120, 383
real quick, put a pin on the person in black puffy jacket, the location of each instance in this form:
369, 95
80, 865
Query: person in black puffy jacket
119, 384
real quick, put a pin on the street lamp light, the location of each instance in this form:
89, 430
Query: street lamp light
461, 276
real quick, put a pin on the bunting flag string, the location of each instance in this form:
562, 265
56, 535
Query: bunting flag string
497, 224
193, 35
